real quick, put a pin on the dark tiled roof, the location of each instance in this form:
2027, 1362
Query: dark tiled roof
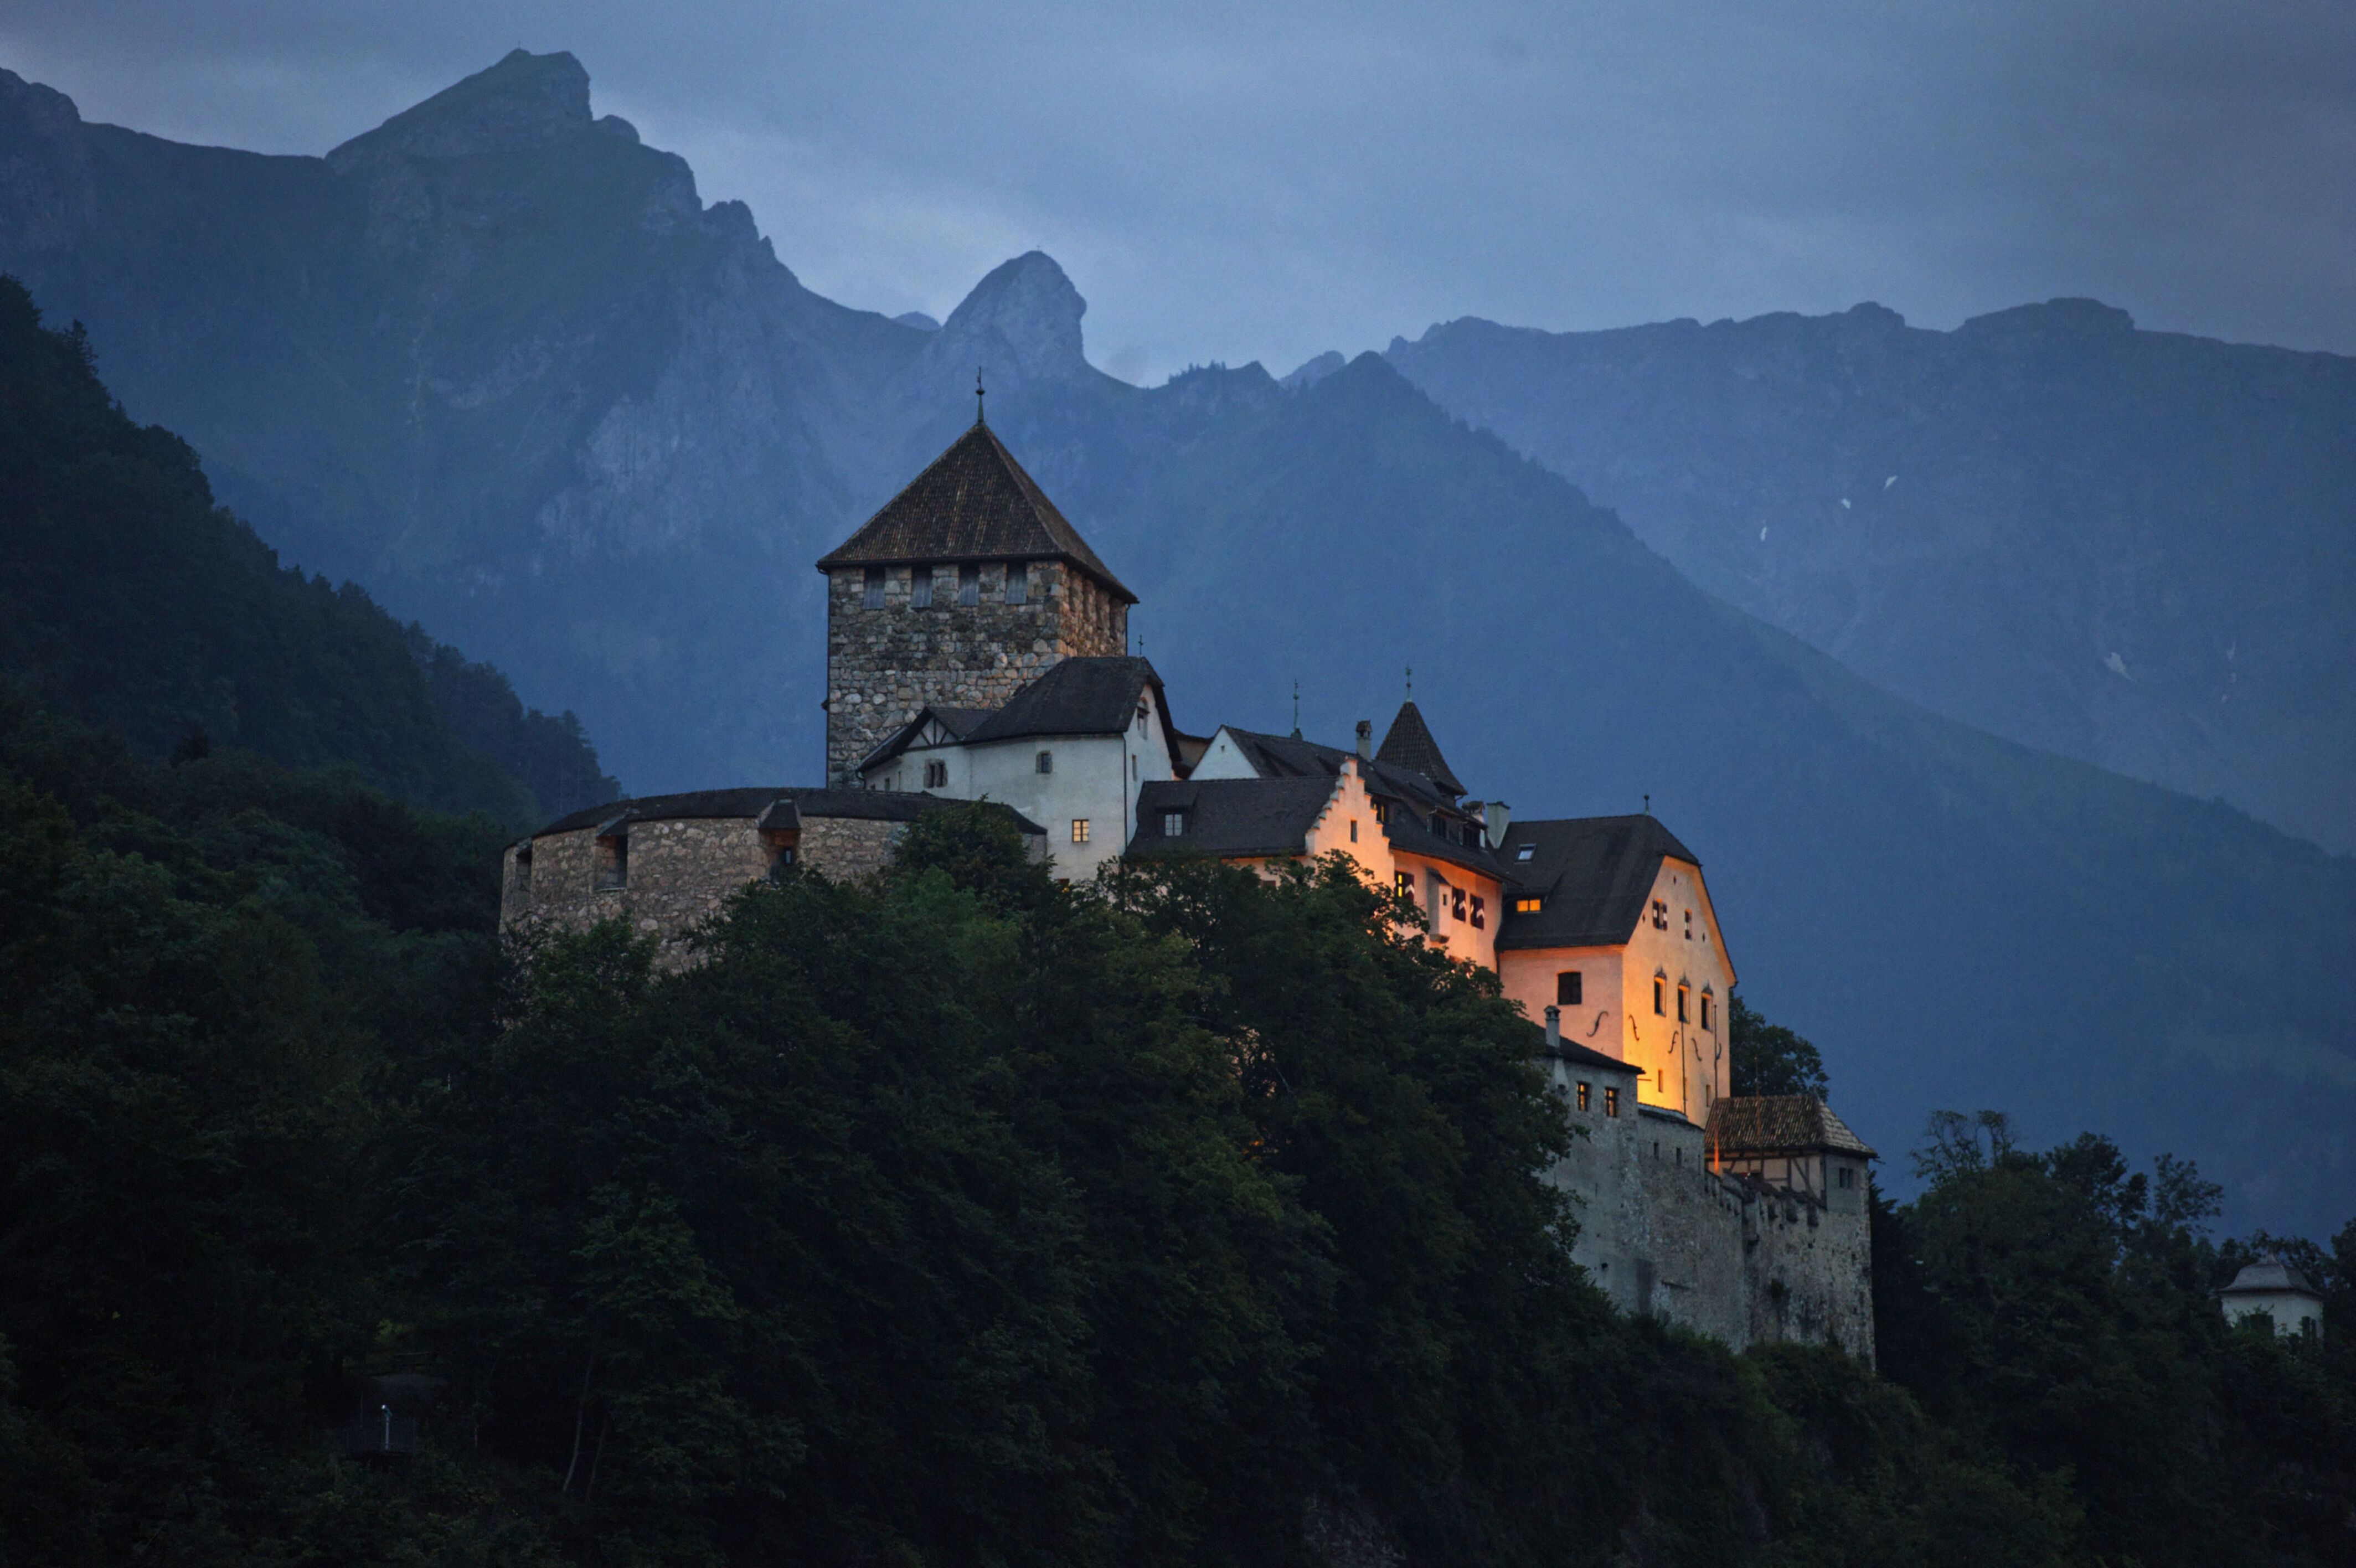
1076, 696
870, 805
961, 722
1574, 1054
973, 502
1288, 756
1409, 837
1409, 744
1591, 874
1780, 1124
2268, 1274
1231, 816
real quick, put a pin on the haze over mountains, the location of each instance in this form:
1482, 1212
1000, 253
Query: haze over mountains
497, 362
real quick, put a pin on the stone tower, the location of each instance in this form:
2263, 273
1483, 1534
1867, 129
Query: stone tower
959, 593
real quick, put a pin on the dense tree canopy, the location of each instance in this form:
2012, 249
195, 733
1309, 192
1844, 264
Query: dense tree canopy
957, 1217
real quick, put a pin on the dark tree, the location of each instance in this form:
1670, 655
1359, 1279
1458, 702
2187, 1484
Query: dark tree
1768, 1058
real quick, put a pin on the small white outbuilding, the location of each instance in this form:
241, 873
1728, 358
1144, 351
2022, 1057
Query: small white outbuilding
2274, 1288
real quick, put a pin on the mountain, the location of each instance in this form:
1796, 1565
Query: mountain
129, 599
495, 360
499, 362
2133, 548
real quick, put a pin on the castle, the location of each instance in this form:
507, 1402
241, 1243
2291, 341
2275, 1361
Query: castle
978, 649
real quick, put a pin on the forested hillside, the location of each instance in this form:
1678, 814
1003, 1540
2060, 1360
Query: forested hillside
963, 1218
128, 598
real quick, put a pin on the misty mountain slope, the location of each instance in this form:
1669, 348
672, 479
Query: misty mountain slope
130, 601
495, 360
1960, 922
2134, 548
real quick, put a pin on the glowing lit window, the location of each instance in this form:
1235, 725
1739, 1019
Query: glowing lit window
1611, 1101
1582, 1096
1079, 829
1403, 884
1526, 906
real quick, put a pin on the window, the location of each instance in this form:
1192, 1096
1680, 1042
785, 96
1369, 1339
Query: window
1174, 823
920, 588
612, 862
1683, 992
968, 584
1660, 915
1610, 1100
1480, 913
1382, 811
1044, 762
1705, 999
1523, 851
1456, 902
1018, 584
936, 776
1568, 989
1527, 906
1079, 830
1403, 884
1660, 993
1582, 1096
1847, 1176
1689, 925
874, 587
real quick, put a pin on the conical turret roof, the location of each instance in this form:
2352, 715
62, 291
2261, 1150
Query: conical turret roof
973, 502
1409, 744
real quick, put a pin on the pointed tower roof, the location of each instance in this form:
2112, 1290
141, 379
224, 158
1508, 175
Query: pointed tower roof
973, 502
1409, 744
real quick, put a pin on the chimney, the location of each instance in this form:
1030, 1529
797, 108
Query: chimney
1366, 737
1554, 1027
1495, 820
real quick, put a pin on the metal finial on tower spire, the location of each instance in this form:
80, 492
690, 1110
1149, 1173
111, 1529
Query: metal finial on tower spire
1296, 710
1648, 802
1410, 683
978, 394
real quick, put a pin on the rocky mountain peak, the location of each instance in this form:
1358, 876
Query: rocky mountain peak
525, 101
1027, 310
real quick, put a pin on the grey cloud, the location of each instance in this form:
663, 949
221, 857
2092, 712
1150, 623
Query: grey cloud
1248, 182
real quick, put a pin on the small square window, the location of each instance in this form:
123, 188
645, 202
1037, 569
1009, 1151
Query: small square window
1079, 830
1582, 1096
920, 588
1044, 763
1174, 823
1018, 584
1523, 851
1568, 989
1527, 906
874, 588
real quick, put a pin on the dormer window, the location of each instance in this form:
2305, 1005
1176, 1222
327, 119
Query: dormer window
1018, 584
873, 588
970, 584
1174, 823
920, 588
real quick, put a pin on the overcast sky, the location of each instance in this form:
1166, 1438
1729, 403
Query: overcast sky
1262, 181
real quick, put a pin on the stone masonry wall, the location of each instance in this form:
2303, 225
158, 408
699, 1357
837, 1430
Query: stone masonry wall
884, 664
681, 873
1729, 1256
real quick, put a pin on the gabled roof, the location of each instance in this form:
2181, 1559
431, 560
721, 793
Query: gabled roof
1409, 837
1592, 876
1409, 744
1289, 756
961, 722
870, 805
973, 502
1076, 696
1230, 816
1780, 1124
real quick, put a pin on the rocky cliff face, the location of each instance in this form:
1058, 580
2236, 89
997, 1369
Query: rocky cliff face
2133, 548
